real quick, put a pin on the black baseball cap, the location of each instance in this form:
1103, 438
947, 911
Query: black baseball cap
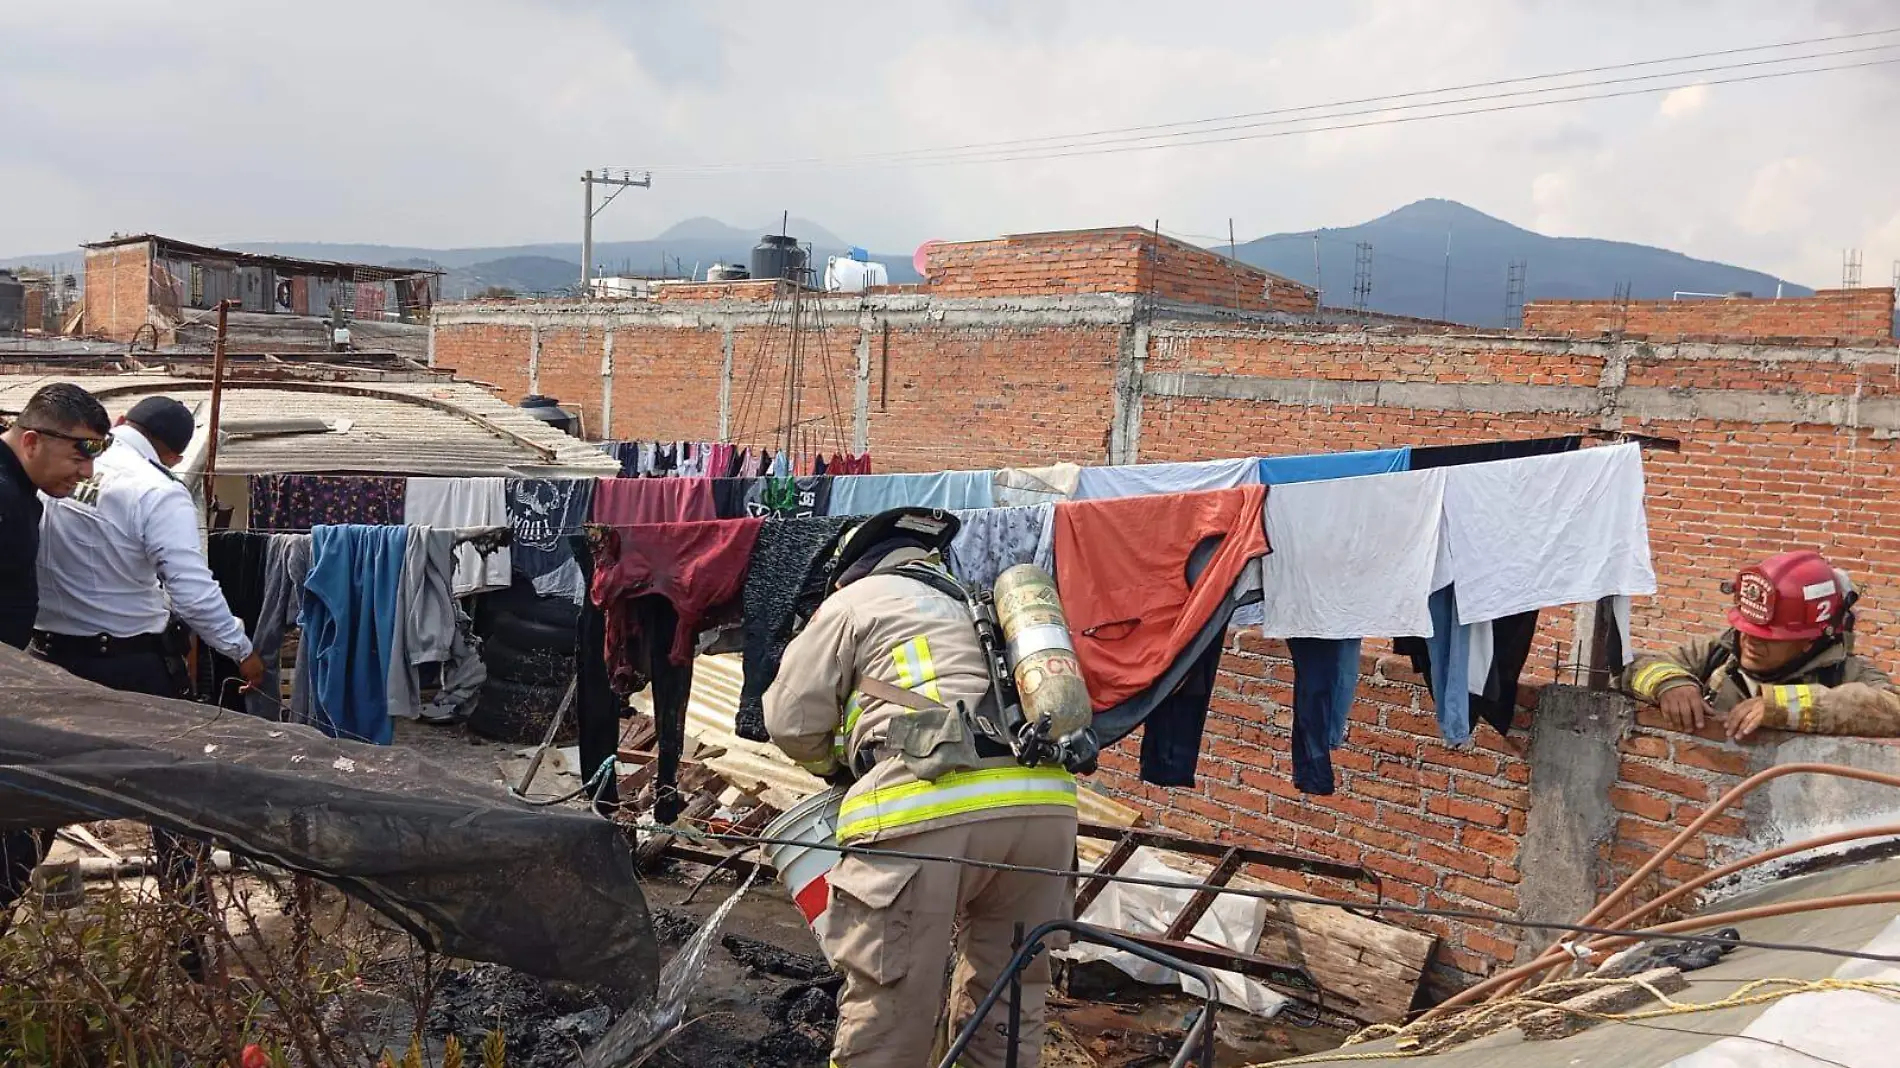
166, 420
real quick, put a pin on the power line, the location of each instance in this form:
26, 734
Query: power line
1035, 147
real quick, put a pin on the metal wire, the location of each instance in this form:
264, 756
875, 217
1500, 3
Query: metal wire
1285, 897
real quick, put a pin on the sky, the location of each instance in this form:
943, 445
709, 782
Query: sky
454, 123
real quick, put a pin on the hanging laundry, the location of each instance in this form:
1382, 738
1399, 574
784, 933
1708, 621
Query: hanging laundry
1171, 734
783, 585
425, 614
1317, 467
990, 541
286, 566
666, 459
871, 494
349, 623
543, 512
818, 466
597, 709
1352, 557
458, 503
237, 560
697, 567
657, 587
295, 503
749, 463
1325, 678
1498, 651
628, 501
729, 497
1138, 480
789, 498
1122, 569
1016, 486
781, 466
1425, 457
1447, 667
1547, 530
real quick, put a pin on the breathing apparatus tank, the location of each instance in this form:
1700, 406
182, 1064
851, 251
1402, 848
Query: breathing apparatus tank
1048, 716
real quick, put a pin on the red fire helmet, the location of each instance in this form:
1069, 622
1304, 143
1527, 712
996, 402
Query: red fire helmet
1795, 596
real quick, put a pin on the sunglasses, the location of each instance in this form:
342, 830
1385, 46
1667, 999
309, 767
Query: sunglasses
90, 448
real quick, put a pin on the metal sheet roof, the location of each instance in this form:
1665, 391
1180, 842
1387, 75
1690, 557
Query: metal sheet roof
432, 427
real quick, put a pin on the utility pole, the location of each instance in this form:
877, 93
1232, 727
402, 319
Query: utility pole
217, 401
1319, 280
1361, 275
588, 181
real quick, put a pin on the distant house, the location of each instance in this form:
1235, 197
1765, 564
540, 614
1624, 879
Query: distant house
149, 281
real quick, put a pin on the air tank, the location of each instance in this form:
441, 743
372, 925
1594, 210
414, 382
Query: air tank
1041, 654
778, 256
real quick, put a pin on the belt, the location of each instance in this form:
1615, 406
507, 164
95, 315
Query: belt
99, 644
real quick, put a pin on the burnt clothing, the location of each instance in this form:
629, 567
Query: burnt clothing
19, 551
1171, 735
784, 584
698, 568
893, 925
1832, 691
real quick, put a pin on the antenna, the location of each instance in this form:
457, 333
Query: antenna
1850, 269
1361, 275
1622, 302
1514, 294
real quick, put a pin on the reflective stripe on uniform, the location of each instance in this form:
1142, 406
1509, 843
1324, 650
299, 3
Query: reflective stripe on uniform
1648, 679
916, 672
1798, 701
955, 794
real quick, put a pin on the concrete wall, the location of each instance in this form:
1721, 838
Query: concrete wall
1781, 445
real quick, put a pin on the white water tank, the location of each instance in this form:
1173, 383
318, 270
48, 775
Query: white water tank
846, 275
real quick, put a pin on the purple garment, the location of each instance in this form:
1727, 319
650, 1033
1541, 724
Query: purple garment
634, 501
295, 503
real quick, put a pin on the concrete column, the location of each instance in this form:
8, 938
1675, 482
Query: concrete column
534, 358
607, 387
861, 402
725, 387
432, 344
1574, 762
1124, 437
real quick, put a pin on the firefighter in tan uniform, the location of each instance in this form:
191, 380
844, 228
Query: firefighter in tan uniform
870, 691
1787, 663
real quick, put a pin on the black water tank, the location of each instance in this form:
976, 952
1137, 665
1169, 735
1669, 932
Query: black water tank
12, 304
778, 256
549, 411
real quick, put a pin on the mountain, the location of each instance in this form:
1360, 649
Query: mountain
703, 228
1408, 265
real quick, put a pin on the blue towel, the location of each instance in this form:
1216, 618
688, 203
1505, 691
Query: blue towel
348, 620
871, 494
1284, 470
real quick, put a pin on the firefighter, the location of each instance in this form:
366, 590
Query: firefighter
876, 690
1786, 663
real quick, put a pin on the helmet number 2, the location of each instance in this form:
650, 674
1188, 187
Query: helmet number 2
1823, 610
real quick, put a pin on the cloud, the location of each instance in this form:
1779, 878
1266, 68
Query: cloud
1684, 102
469, 123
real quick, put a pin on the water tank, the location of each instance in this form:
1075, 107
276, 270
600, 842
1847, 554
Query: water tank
778, 256
727, 272
549, 411
846, 275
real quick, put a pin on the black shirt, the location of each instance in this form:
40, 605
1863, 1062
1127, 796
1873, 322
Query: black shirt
19, 551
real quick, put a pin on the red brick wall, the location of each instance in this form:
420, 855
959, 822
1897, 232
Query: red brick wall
1441, 826
1857, 315
490, 353
118, 290
1126, 260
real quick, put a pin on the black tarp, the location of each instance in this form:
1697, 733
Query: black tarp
467, 869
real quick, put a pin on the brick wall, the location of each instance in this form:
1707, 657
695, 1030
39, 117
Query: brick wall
118, 290
1861, 316
1123, 260
1781, 446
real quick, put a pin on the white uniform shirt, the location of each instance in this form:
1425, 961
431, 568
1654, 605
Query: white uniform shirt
122, 554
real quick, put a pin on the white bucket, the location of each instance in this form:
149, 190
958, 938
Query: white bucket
806, 871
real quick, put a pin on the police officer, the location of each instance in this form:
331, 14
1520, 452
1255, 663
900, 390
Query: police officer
871, 690
1785, 663
50, 449
120, 556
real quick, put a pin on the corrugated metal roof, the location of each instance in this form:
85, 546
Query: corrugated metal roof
435, 426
